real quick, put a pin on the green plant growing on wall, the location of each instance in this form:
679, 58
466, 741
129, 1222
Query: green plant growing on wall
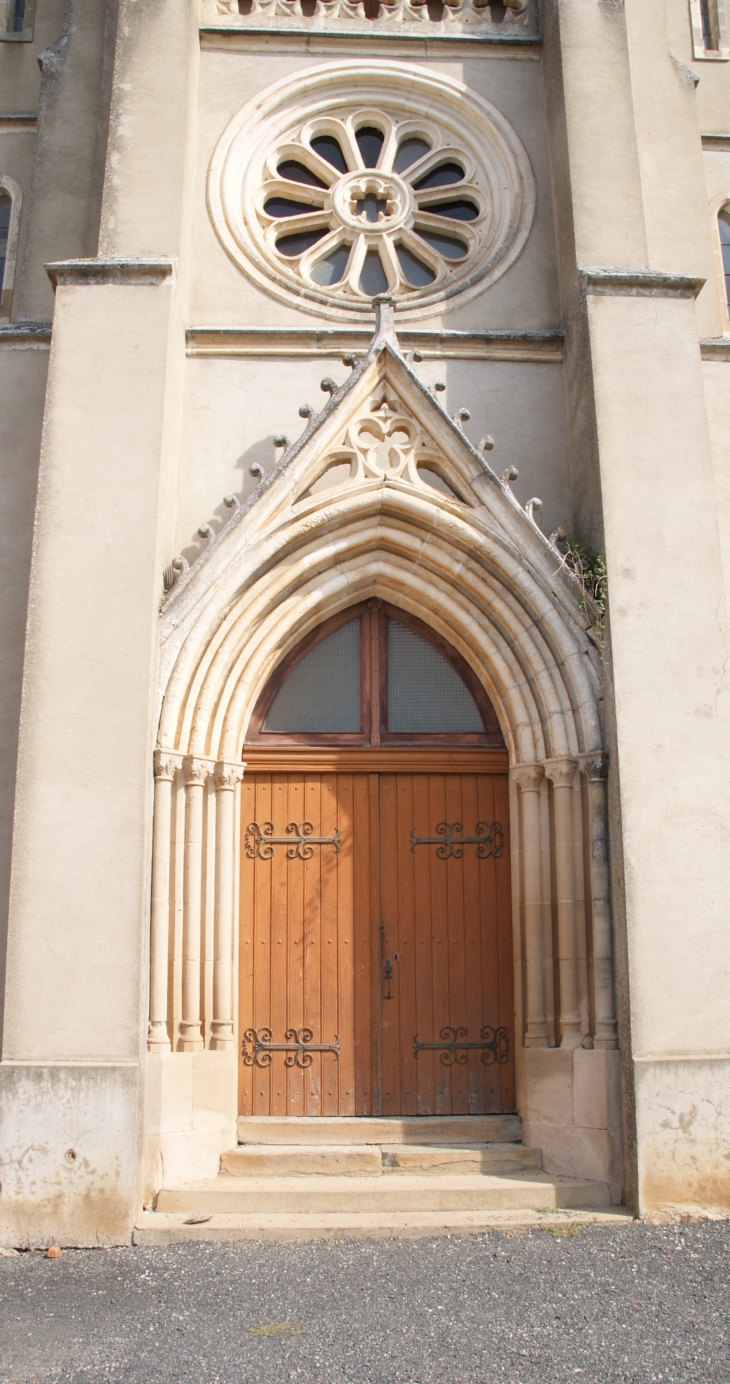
587, 570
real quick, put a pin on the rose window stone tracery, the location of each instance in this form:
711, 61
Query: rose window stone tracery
337, 200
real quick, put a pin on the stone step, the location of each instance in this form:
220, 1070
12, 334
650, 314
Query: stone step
408, 1192
293, 1160
178, 1227
466, 1159
356, 1160
400, 1129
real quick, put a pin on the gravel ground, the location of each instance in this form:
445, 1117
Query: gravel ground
632, 1303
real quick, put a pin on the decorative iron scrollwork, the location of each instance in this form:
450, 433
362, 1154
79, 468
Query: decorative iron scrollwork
494, 1046
489, 840
299, 840
298, 1046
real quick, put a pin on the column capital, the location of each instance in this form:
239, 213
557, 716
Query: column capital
528, 776
595, 765
196, 770
561, 772
166, 763
227, 775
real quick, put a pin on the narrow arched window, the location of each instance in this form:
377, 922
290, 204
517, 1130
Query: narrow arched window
723, 225
5, 209
11, 202
708, 16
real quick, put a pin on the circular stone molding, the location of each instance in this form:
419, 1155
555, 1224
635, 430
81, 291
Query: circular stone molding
363, 178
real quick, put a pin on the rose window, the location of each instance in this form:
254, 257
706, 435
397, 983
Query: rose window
335, 201
363, 208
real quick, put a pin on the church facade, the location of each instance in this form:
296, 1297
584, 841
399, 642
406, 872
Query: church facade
365, 379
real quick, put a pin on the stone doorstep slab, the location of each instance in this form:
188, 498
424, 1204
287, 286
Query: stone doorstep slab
407, 1193
169, 1228
352, 1160
367, 1129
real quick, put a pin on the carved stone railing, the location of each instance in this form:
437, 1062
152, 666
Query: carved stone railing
503, 18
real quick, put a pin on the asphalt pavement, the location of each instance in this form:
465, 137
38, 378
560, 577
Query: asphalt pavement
634, 1302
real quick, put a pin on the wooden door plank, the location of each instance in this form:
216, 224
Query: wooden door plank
405, 968
390, 1008
422, 903
474, 923
246, 945
458, 1071
295, 944
311, 872
329, 944
341, 1020
440, 944
273, 1010
365, 844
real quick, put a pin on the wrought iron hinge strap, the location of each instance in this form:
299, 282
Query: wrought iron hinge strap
299, 840
298, 1045
489, 840
494, 1046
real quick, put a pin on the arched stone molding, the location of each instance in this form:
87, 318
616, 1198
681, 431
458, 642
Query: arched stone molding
470, 560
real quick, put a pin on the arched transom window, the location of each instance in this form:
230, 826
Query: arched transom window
374, 675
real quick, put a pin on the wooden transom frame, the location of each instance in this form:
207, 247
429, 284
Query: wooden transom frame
374, 615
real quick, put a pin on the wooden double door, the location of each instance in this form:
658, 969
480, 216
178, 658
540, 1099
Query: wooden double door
376, 933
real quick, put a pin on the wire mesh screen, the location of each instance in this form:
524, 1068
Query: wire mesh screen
322, 693
426, 695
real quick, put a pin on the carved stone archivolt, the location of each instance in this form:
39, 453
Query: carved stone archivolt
365, 178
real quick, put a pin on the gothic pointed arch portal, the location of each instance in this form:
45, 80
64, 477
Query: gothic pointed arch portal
376, 938
383, 497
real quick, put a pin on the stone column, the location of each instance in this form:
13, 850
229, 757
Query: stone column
529, 777
226, 777
561, 773
195, 771
595, 767
166, 764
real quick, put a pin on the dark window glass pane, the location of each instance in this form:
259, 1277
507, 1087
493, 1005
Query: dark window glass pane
457, 211
297, 173
4, 225
328, 148
369, 142
445, 244
322, 693
331, 269
709, 34
723, 222
425, 694
372, 276
283, 206
18, 17
292, 245
409, 152
414, 270
443, 176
